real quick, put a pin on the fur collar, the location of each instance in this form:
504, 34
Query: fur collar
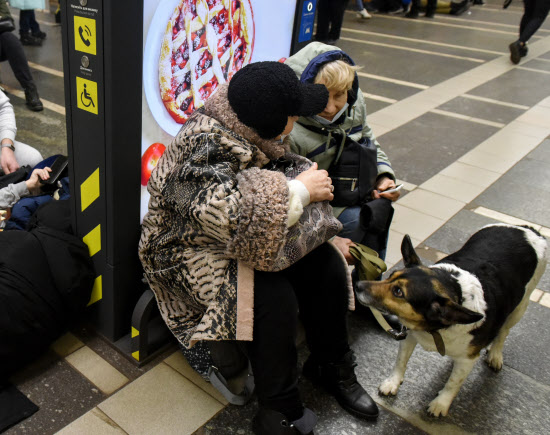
218, 107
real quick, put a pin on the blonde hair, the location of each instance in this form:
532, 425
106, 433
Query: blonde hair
337, 75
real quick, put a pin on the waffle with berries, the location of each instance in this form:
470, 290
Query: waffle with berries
205, 43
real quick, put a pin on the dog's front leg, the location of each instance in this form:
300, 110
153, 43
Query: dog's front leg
391, 385
461, 369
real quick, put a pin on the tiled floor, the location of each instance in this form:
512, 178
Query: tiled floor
467, 132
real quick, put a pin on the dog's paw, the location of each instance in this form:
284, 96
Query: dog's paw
494, 360
389, 387
439, 406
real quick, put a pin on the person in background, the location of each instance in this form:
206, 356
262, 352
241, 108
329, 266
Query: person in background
12, 51
534, 14
330, 15
415, 8
13, 153
220, 217
29, 29
361, 11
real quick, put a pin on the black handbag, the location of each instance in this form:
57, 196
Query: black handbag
353, 172
6, 25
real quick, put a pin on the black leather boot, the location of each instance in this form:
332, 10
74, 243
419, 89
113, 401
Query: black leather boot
339, 379
32, 99
270, 422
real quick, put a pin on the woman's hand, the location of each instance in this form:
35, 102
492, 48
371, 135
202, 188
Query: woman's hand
385, 183
8, 161
343, 245
318, 184
33, 183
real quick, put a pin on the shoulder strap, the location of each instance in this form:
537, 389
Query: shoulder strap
370, 265
221, 384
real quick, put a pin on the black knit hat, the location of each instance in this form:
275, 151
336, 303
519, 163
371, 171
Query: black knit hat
265, 94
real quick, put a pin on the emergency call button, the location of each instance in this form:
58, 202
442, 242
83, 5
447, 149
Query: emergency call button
84, 35
86, 94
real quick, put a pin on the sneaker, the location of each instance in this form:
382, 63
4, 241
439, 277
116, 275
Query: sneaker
515, 52
363, 14
33, 100
430, 14
39, 35
28, 39
523, 50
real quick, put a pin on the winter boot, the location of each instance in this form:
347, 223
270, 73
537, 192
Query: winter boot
515, 52
33, 100
270, 422
339, 379
28, 39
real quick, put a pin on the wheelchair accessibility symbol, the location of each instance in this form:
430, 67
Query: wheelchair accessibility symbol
86, 91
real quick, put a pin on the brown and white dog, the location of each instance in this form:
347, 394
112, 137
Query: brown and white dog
462, 304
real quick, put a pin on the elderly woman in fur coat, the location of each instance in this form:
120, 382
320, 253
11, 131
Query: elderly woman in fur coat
233, 244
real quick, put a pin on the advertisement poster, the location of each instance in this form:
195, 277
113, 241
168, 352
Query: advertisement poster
190, 47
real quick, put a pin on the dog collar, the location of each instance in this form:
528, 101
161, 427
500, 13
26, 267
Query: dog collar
439, 344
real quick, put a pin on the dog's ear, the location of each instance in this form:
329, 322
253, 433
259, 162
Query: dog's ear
449, 313
409, 254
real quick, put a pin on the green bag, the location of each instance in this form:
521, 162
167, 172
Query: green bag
370, 265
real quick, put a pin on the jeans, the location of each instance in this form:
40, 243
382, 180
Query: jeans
27, 22
316, 288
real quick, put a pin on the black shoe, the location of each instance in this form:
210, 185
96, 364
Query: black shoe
39, 35
28, 39
411, 14
270, 422
331, 41
479, 2
33, 100
339, 380
523, 50
459, 8
515, 52
429, 14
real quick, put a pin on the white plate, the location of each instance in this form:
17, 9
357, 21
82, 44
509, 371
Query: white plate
151, 56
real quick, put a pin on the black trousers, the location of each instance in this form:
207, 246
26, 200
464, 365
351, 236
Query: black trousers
430, 7
535, 12
316, 288
330, 15
12, 51
27, 22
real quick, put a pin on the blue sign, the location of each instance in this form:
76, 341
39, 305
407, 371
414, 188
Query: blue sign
307, 20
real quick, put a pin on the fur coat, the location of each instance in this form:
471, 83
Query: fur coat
214, 216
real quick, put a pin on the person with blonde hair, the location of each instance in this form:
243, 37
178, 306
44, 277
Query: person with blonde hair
340, 140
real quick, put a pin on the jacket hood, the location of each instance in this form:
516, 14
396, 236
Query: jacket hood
218, 107
307, 62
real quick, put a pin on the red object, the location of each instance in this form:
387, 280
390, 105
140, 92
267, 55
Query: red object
149, 160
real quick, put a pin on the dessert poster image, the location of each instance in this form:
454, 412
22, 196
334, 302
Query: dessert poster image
190, 47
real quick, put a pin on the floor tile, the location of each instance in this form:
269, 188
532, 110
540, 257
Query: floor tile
514, 86
178, 362
417, 225
59, 391
433, 204
482, 110
97, 370
537, 64
452, 188
504, 218
529, 130
66, 345
94, 422
527, 339
470, 174
489, 161
536, 295
508, 145
537, 116
161, 401
452, 236
545, 300
442, 138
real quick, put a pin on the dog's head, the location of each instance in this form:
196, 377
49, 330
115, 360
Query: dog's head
423, 298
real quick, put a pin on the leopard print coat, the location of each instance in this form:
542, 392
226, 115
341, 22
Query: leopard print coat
214, 216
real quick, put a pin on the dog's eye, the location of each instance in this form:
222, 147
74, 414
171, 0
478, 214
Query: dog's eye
397, 292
